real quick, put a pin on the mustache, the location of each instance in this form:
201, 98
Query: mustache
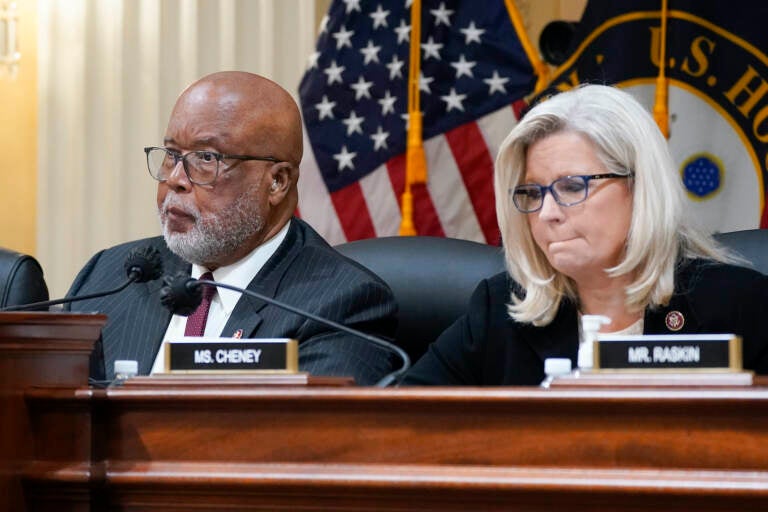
174, 201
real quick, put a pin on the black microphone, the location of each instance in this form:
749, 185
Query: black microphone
182, 294
142, 264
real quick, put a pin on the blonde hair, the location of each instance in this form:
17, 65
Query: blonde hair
627, 141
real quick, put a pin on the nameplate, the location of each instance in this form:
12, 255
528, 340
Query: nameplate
228, 355
707, 352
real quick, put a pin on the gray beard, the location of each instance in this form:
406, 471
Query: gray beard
214, 236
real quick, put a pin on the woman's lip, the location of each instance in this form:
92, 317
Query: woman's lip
562, 241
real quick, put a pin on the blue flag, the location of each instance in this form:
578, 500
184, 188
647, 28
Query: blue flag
718, 92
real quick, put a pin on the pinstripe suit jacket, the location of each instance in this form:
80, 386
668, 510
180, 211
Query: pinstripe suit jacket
304, 272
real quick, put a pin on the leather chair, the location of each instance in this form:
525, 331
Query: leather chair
432, 279
21, 279
752, 244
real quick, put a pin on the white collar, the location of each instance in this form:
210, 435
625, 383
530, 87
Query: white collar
242, 272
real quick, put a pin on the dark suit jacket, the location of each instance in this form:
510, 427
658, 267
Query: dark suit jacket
304, 272
486, 347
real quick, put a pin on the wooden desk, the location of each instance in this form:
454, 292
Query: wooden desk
248, 447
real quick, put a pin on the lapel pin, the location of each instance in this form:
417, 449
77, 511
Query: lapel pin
674, 320
238, 334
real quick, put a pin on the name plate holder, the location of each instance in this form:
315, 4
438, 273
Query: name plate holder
220, 356
668, 352
669, 360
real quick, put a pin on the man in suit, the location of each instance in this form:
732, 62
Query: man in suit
227, 189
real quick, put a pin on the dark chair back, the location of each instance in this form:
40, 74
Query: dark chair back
752, 244
432, 279
21, 279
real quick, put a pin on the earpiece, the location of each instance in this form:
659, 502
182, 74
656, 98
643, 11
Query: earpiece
273, 187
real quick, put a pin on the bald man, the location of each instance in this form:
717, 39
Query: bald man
227, 177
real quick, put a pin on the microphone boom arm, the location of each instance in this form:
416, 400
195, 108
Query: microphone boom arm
66, 300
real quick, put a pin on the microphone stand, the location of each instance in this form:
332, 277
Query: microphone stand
66, 300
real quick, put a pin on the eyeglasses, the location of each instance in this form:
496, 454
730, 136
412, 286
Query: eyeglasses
566, 191
201, 167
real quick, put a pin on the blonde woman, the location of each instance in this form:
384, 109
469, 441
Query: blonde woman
590, 208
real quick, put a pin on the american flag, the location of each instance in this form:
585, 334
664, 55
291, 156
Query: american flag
354, 101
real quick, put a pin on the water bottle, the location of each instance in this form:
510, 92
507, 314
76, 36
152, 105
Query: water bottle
590, 325
124, 370
555, 367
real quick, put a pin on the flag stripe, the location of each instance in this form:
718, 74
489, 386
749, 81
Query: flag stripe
449, 193
474, 162
495, 127
425, 215
382, 203
352, 211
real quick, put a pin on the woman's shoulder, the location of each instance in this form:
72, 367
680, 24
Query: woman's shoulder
717, 277
717, 269
502, 284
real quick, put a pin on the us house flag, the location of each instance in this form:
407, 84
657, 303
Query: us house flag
715, 69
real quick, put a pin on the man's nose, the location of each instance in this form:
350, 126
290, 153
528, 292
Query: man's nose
178, 179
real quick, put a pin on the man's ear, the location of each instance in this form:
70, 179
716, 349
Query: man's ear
283, 180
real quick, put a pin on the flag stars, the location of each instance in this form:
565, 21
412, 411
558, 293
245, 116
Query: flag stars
344, 157
453, 100
403, 32
407, 118
472, 33
424, 82
361, 88
370, 53
343, 37
496, 83
312, 61
334, 73
431, 49
325, 108
379, 139
353, 123
324, 24
387, 103
463, 67
441, 15
395, 67
352, 5
379, 17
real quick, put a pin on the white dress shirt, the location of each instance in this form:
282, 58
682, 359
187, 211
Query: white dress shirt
239, 274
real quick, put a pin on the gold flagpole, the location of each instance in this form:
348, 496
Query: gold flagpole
661, 103
415, 161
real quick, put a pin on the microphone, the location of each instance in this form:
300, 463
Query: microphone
142, 264
182, 294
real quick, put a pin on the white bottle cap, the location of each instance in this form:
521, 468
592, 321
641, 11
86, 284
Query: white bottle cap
590, 325
126, 368
556, 366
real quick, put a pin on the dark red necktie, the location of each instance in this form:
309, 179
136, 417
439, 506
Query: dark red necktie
196, 321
